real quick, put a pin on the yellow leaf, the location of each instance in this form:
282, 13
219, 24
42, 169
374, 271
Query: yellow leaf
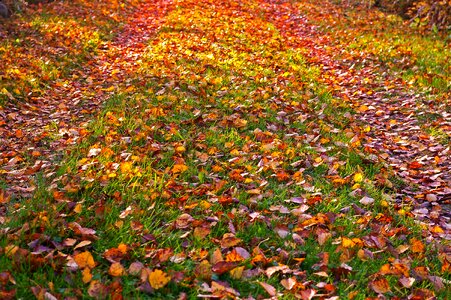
126, 167
85, 260
363, 108
78, 208
347, 243
116, 270
158, 279
86, 275
180, 149
179, 168
237, 272
437, 229
358, 177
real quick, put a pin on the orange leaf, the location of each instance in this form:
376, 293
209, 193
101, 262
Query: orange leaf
116, 270
201, 232
85, 260
347, 243
380, 286
417, 246
179, 168
86, 275
158, 279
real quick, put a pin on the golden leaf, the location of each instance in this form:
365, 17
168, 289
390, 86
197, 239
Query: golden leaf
179, 168
85, 260
358, 177
86, 275
126, 167
158, 279
347, 243
237, 272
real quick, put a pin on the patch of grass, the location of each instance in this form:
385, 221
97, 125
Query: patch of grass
231, 150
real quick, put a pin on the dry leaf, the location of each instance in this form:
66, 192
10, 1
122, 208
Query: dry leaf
86, 275
116, 270
406, 282
288, 283
229, 240
237, 272
380, 286
158, 279
84, 260
272, 292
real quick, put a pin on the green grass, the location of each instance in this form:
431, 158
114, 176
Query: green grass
229, 153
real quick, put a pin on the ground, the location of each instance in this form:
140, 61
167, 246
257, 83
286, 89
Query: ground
225, 149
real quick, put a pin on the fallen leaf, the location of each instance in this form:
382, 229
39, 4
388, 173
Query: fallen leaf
272, 292
158, 279
86, 275
380, 286
366, 200
288, 283
229, 240
135, 268
406, 282
237, 272
84, 260
116, 270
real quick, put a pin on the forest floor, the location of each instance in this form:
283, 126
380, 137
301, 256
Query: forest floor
223, 149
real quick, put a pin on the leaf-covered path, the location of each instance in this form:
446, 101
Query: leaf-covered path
391, 110
60, 107
222, 149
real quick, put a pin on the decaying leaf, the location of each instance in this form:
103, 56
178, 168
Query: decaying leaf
380, 285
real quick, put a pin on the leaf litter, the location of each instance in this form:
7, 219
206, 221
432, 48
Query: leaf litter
237, 158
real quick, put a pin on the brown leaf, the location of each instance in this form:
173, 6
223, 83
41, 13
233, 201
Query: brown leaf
380, 286
271, 270
229, 240
135, 268
223, 291
85, 232
272, 292
216, 256
203, 270
113, 255
183, 221
288, 283
8, 295
223, 267
201, 232
97, 289
82, 244
307, 294
406, 282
